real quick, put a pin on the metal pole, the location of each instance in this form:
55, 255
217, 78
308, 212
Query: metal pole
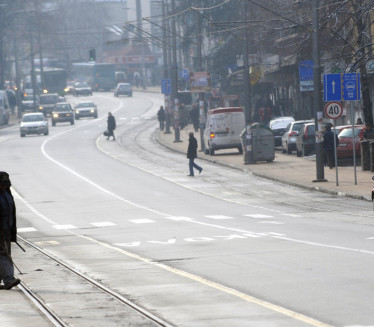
246, 77
354, 145
317, 94
336, 156
175, 77
165, 68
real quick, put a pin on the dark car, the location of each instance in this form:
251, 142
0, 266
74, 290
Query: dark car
278, 126
27, 103
62, 112
345, 148
82, 88
123, 89
85, 109
306, 140
47, 102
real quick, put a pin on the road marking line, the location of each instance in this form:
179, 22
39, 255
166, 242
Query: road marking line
258, 216
103, 224
142, 221
270, 222
64, 227
219, 217
26, 230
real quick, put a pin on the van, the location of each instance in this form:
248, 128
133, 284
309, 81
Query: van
47, 103
223, 129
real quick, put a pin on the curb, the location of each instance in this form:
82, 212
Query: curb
316, 189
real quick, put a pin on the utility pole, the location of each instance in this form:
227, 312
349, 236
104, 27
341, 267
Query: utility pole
139, 26
246, 77
174, 76
202, 115
165, 68
317, 93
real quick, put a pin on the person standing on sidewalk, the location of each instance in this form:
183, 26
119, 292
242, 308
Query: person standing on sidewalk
328, 145
192, 154
161, 117
111, 126
8, 232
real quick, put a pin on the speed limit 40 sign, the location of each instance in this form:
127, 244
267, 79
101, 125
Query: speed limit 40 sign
333, 110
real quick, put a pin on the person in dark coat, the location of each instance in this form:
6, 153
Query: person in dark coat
111, 126
8, 232
368, 132
192, 154
195, 115
161, 117
328, 145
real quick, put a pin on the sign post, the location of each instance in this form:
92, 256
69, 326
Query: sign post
334, 110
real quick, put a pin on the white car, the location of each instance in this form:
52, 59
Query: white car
34, 123
278, 126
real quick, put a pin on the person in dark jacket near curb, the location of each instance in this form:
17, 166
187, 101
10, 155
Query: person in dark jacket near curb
111, 126
192, 154
8, 232
328, 145
161, 117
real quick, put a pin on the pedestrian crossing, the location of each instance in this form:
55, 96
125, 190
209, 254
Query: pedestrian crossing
258, 218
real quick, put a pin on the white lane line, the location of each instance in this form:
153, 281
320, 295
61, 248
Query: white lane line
270, 222
61, 227
258, 216
142, 221
26, 230
218, 217
103, 224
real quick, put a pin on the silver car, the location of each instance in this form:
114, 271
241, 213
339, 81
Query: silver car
34, 123
289, 137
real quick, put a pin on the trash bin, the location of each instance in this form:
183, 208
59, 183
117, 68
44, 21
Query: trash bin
263, 142
258, 143
365, 155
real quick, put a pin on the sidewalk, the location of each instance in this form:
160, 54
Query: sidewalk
289, 169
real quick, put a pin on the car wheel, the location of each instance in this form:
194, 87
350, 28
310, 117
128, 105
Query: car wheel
211, 151
53, 123
289, 151
283, 149
77, 117
23, 134
95, 116
46, 132
72, 122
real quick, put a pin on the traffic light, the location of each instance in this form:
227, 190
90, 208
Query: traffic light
92, 55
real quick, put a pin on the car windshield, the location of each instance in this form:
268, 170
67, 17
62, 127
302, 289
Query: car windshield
85, 105
82, 85
282, 123
30, 118
347, 132
63, 107
296, 127
124, 86
48, 99
28, 98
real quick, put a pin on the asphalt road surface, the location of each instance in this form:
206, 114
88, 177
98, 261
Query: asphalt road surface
221, 249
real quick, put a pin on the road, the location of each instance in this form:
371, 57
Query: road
221, 249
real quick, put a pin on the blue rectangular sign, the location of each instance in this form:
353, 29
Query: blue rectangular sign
166, 86
341, 87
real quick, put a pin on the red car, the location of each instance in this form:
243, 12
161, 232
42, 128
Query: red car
345, 147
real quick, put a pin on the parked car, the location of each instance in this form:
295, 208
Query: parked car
47, 102
306, 140
34, 123
123, 89
345, 148
223, 129
278, 126
62, 112
289, 137
85, 109
82, 88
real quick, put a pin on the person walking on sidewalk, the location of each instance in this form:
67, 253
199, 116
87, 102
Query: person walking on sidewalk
192, 154
8, 232
111, 126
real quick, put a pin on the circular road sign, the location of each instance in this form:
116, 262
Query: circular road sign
333, 110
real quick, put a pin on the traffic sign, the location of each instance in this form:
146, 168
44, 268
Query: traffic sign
341, 87
166, 86
333, 110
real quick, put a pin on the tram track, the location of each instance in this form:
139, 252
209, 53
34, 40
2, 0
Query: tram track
53, 316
